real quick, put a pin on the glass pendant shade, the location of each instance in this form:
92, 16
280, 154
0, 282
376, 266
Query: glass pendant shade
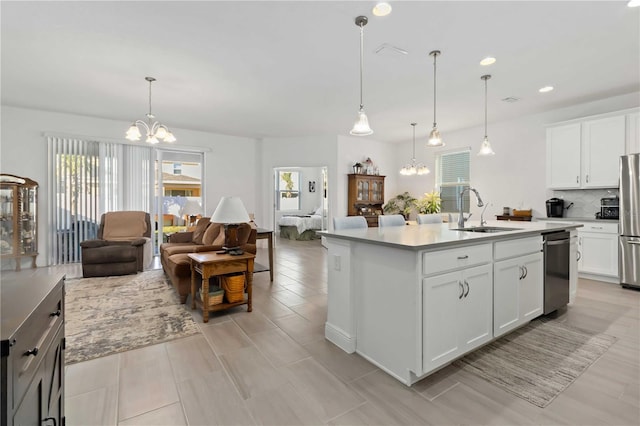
152, 140
361, 126
485, 148
161, 133
434, 138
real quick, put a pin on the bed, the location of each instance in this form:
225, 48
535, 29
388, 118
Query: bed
300, 227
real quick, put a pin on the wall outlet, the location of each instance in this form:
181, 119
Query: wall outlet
336, 262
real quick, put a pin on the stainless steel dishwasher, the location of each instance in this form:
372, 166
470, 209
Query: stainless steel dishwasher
556, 270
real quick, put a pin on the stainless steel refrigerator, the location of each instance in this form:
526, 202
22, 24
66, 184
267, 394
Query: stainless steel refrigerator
629, 243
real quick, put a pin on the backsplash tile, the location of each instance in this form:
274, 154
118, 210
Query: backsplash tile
586, 202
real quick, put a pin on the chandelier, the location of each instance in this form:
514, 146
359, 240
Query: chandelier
414, 168
154, 130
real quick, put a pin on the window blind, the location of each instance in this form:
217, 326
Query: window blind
87, 179
452, 176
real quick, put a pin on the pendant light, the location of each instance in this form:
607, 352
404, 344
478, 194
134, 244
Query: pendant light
485, 149
434, 135
361, 126
414, 168
154, 131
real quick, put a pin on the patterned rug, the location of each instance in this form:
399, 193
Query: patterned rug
108, 315
538, 361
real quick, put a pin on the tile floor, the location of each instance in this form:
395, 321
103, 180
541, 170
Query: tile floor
273, 366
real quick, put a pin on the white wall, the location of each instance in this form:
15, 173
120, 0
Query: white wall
229, 166
515, 176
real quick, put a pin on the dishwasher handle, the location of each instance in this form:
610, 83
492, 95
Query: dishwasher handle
556, 242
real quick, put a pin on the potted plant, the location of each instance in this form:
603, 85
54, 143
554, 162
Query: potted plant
430, 203
400, 204
357, 168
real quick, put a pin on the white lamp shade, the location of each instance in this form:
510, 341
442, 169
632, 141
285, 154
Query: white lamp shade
230, 210
169, 137
361, 126
161, 133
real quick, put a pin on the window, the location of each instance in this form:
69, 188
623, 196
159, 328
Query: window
177, 168
452, 176
86, 179
288, 190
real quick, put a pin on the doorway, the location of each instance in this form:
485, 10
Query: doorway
301, 198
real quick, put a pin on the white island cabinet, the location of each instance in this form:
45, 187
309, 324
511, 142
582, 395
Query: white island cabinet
518, 294
411, 299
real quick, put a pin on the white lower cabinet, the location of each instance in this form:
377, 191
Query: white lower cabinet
457, 314
518, 292
598, 247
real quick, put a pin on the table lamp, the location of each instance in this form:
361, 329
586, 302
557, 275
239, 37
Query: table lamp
191, 210
231, 213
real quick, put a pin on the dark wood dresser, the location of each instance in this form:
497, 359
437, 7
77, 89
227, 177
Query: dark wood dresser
32, 346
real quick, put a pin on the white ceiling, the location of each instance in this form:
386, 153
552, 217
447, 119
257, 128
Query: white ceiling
280, 69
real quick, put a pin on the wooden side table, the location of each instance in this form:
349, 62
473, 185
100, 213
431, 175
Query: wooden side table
210, 264
266, 234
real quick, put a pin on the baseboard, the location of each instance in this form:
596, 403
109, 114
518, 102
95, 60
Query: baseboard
605, 278
339, 338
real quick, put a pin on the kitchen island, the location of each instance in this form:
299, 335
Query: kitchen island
411, 299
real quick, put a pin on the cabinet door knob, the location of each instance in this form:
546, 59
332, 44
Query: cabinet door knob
526, 272
56, 313
577, 179
521, 272
33, 352
467, 284
466, 256
461, 290
587, 178
578, 255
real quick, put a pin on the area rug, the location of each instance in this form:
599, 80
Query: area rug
108, 315
538, 361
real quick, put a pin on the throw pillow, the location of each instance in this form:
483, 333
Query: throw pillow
212, 234
201, 227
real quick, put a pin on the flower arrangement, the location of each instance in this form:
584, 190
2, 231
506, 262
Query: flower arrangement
430, 203
400, 204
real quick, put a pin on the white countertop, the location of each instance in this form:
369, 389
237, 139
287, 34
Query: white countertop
428, 236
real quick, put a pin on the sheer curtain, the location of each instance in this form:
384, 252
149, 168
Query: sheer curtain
86, 179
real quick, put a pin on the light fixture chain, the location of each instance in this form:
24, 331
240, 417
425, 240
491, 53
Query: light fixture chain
485, 107
414, 141
150, 115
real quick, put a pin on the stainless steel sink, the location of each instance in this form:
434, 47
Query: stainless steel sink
486, 229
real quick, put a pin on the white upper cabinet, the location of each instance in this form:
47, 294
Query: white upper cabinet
585, 153
603, 142
563, 156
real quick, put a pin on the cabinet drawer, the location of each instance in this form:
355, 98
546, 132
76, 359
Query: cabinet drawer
519, 247
37, 332
447, 260
602, 228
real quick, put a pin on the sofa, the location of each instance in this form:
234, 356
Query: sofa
206, 236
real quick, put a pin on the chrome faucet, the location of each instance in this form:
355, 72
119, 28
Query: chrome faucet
461, 218
482, 221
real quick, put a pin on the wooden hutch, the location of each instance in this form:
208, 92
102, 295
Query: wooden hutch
366, 197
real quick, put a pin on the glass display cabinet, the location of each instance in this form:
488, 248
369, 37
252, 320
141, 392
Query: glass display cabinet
18, 219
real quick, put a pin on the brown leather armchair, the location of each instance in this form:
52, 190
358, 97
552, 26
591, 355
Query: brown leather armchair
123, 245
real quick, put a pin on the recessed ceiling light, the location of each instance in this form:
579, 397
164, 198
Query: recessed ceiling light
633, 3
382, 9
488, 61
545, 89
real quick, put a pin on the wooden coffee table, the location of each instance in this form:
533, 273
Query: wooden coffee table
209, 264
